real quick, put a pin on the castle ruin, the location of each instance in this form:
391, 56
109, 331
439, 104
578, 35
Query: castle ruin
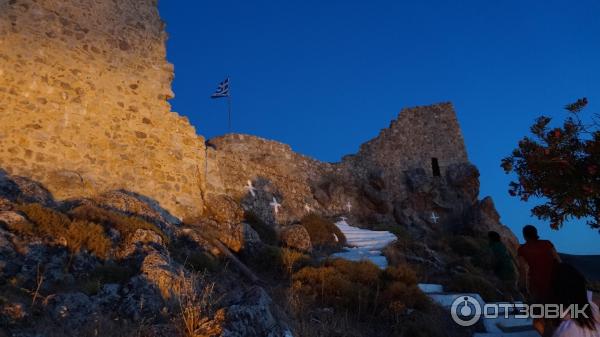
84, 89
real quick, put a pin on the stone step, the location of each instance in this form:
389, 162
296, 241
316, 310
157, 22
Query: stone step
430, 288
446, 299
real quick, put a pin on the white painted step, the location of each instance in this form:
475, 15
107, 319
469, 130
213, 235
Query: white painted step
430, 288
446, 300
364, 244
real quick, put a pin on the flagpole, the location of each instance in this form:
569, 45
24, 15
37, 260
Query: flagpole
229, 110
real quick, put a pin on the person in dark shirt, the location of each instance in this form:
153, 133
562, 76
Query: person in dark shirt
503, 263
538, 261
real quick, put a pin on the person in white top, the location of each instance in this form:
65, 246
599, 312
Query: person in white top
571, 288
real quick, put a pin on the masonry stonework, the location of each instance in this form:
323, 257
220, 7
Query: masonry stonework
84, 89
83, 102
417, 136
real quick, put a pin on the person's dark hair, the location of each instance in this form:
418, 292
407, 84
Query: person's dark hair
570, 287
530, 233
494, 236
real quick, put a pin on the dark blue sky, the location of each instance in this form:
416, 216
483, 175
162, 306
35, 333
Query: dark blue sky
325, 76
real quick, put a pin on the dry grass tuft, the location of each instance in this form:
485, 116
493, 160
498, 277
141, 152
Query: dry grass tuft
197, 302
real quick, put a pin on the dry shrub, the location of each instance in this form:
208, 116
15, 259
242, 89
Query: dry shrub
47, 221
88, 235
472, 283
192, 256
266, 259
291, 259
108, 273
79, 234
322, 231
126, 225
197, 302
360, 288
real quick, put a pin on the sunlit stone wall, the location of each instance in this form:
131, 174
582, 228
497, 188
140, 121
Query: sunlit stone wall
84, 86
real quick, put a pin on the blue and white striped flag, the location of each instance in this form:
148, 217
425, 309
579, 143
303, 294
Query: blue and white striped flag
222, 90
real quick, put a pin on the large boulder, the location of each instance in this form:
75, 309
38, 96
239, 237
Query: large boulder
166, 275
252, 317
296, 237
72, 310
131, 203
223, 209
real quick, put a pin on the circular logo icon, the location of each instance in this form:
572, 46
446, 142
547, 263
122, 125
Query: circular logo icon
465, 310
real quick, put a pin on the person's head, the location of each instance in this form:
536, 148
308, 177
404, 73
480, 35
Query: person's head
530, 233
570, 287
493, 236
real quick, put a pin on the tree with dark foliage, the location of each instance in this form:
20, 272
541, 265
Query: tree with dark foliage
561, 166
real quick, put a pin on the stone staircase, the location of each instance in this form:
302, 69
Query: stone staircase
494, 327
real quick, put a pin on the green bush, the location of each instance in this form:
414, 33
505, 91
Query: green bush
322, 231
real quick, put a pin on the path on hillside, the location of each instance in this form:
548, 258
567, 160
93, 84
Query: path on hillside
364, 244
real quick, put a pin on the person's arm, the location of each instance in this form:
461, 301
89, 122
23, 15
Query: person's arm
555, 254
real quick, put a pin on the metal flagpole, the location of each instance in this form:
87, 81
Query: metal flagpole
229, 110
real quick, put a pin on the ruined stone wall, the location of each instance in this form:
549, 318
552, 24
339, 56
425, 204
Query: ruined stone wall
83, 102
234, 159
371, 181
411, 141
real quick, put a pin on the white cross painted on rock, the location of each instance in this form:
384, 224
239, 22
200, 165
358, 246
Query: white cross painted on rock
275, 206
434, 218
349, 206
308, 208
250, 188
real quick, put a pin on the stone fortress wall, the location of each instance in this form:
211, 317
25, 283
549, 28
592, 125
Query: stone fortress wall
412, 140
83, 102
418, 135
84, 86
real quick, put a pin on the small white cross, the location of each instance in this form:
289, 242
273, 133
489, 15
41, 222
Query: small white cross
308, 208
250, 188
349, 206
343, 218
275, 206
434, 218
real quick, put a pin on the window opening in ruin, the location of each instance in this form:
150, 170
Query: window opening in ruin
435, 167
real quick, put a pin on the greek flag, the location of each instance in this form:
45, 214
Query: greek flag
222, 90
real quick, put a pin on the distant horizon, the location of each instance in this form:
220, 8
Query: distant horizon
326, 77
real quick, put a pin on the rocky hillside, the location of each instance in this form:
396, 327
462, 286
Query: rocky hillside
117, 219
